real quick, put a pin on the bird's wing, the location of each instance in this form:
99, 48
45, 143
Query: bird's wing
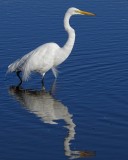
41, 60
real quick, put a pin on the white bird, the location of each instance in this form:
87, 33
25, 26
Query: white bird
49, 55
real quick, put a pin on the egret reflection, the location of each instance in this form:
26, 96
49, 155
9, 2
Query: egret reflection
43, 104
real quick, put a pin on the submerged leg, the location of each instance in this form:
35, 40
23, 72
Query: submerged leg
18, 75
53, 88
42, 81
43, 87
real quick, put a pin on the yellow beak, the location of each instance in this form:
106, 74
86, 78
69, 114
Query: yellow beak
85, 13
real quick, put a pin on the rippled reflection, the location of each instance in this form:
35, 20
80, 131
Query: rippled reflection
43, 104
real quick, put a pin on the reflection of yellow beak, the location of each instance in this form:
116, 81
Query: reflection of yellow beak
85, 13
87, 154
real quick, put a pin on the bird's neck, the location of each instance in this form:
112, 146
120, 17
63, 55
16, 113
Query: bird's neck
71, 36
67, 48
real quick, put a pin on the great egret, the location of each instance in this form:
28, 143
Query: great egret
49, 55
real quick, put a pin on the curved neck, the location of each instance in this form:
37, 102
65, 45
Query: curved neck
71, 34
67, 48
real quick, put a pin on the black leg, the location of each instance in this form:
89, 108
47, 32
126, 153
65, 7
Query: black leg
18, 75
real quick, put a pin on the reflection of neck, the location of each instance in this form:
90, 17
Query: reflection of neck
71, 135
71, 128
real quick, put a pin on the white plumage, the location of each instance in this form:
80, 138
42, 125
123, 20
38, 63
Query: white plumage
49, 55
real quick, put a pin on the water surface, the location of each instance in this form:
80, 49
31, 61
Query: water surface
84, 114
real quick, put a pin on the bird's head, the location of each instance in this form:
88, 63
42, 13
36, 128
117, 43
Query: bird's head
74, 11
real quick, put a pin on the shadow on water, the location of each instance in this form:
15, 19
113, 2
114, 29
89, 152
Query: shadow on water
43, 104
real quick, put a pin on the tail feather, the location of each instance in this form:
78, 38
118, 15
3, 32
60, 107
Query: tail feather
26, 76
26, 72
13, 67
18, 65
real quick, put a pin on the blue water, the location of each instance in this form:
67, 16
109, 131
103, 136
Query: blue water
86, 116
